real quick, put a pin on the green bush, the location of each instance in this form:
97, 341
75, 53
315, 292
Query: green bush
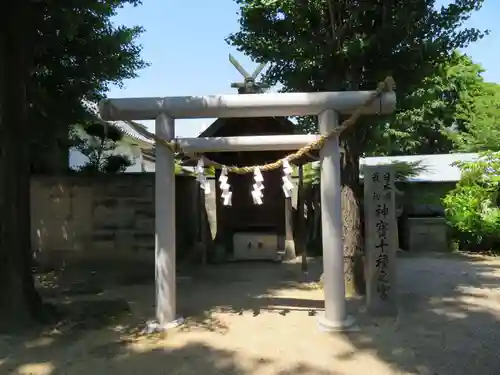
472, 208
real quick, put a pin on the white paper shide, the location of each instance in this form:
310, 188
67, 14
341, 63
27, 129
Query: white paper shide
287, 181
258, 186
201, 178
226, 193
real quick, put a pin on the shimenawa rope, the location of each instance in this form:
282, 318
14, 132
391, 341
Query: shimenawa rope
387, 85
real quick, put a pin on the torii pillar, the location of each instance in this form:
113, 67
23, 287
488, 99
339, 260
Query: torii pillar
326, 105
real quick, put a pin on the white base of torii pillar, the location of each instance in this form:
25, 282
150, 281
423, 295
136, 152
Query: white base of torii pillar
326, 105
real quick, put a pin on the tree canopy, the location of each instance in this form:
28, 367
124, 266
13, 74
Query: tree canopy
329, 45
482, 130
326, 45
452, 110
79, 53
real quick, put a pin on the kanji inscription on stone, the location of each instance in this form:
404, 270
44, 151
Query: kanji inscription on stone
381, 239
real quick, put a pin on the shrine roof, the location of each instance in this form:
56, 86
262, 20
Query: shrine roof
234, 126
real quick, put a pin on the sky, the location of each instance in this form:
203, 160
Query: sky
184, 43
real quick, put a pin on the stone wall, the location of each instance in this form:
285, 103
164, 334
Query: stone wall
79, 217
423, 228
427, 234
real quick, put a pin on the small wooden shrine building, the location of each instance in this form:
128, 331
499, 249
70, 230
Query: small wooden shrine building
246, 230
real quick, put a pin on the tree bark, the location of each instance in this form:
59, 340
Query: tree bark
19, 300
353, 228
49, 149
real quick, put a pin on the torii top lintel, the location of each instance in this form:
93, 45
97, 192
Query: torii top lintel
244, 105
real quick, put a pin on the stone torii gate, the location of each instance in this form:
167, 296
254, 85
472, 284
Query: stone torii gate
326, 105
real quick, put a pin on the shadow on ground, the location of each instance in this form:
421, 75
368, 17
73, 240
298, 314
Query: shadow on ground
447, 325
209, 361
448, 319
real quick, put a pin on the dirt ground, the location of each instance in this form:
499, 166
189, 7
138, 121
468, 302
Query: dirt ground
259, 319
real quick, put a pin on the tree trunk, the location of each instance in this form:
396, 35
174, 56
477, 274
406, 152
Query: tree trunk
353, 228
49, 149
19, 300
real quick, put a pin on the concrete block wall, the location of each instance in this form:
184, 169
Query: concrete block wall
112, 216
427, 234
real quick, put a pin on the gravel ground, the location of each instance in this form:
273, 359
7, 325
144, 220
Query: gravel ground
259, 319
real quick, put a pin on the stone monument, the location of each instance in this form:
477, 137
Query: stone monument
381, 239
